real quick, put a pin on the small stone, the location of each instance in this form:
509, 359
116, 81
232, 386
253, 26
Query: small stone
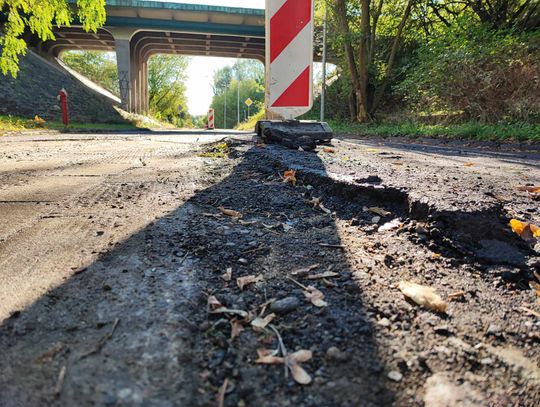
493, 330
486, 361
242, 261
335, 355
100, 233
106, 287
395, 376
385, 322
285, 305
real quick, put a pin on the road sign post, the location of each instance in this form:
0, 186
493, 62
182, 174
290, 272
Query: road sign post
248, 103
289, 72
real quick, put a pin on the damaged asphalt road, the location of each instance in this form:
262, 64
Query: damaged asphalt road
133, 270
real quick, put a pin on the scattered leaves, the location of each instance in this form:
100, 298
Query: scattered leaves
304, 271
530, 189
292, 361
535, 286
38, 121
527, 231
261, 323
268, 357
230, 212
236, 328
468, 164
423, 296
315, 296
227, 276
251, 279
290, 177
215, 307
329, 150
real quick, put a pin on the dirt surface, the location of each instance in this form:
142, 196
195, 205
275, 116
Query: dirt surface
111, 247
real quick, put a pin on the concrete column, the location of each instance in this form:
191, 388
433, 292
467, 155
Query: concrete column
123, 63
126, 66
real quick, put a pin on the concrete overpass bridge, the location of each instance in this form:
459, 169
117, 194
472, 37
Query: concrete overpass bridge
137, 29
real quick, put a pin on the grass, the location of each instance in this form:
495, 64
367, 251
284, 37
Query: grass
464, 131
249, 125
14, 123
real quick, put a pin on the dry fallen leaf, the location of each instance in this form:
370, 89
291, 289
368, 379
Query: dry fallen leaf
535, 286
236, 328
213, 303
532, 190
227, 276
379, 211
261, 323
422, 295
304, 271
293, 361
244, 281
527, 231
315, 296
329, 150
290, 176
268, 357
230, 212
468, 164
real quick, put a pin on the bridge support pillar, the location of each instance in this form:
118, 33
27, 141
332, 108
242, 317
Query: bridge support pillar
130, 77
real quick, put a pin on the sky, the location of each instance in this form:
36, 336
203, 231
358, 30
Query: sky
201, 69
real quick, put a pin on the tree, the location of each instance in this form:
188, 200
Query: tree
37, 17
369, 61
244, 78
167, 75
97, 66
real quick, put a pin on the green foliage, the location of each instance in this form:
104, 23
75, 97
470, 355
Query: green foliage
247, 76
166, 89
38, 17
488, 75
468, 131
100, 67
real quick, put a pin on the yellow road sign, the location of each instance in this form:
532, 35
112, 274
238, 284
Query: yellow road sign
248, 102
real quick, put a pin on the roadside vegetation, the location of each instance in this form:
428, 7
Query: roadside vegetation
248, 75
464, 69
14, 123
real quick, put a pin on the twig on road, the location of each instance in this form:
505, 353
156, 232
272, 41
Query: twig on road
60, 381
102, 341
221, 394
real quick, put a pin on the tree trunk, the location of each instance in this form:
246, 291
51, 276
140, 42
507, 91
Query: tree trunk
363, 63
391, 58
343, 26
375, 17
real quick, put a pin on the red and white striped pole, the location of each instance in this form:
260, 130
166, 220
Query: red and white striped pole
210, 119
289, 57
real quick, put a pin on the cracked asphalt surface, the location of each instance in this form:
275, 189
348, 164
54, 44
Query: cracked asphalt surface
110, 246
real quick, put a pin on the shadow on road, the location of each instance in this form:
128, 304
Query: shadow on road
165, 349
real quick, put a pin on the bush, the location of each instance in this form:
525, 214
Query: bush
487, 75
